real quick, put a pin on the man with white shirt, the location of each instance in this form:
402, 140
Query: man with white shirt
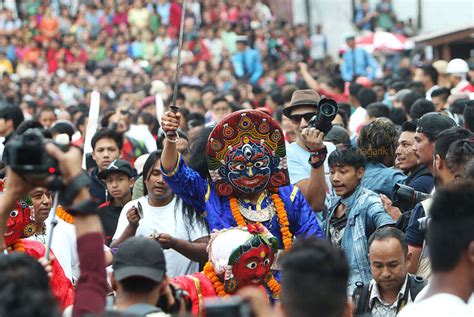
451, 243
160, 214
63, 243
308, 176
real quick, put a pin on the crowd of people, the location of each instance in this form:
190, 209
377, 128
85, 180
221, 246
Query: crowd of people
334, 186
382, 17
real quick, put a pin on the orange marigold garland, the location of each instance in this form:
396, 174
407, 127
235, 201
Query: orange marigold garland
286, 235
212, 276
64, 215
234, 207
272, 284
18, 246
274, 287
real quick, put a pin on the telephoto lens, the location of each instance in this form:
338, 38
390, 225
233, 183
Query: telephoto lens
327, 111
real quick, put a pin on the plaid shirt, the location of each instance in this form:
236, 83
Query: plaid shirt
379, 307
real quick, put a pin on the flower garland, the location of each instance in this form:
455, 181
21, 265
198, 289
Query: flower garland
64, 215
18, 246
211, 275
274, 287
282, 218
272, 284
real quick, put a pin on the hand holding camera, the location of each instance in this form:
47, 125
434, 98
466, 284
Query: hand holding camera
313, 139
36, 161
36, 158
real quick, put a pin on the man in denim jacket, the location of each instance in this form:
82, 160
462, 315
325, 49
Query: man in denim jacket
354, 214
378, 142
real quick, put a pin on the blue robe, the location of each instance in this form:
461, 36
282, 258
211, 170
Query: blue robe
200, 193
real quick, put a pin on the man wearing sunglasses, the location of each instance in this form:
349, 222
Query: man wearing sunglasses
306, 157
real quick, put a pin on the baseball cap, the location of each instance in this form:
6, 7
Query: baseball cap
338, 135
117, 166
140, 257
433, 123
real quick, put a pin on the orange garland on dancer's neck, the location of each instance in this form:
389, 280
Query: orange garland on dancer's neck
212, 276
274, 287
64, 215
286, 235
18, 246
272, 284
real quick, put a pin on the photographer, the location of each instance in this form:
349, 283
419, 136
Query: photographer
307, 154
92, 286
443, 175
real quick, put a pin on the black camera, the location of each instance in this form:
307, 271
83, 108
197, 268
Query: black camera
327, 111
27, 156
406, 198
232, 306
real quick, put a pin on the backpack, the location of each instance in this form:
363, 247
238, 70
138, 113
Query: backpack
362, 292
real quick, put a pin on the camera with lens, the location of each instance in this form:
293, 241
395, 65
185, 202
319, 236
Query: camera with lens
327, 111
405, 197
232, 306
26, 155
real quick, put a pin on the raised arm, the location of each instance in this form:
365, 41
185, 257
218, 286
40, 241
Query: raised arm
91, 288
314, 187
170, 124
184, 181
308, 78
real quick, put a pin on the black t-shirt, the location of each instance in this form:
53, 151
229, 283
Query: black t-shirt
109, 215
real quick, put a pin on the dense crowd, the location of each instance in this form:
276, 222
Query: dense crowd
336, 186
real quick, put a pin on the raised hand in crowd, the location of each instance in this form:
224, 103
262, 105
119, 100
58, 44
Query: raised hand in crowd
169, 124
91, 288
